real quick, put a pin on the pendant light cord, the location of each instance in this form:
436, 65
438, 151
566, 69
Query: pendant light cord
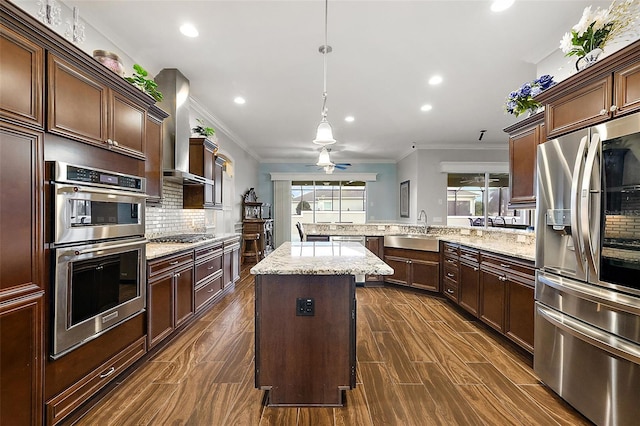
325, 51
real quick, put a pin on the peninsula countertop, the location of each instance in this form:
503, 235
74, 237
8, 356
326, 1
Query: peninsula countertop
321, 258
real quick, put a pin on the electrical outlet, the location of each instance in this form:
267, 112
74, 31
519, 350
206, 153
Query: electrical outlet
305, 307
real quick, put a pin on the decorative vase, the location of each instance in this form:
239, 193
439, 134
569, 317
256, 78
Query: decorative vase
588, 59
109, 60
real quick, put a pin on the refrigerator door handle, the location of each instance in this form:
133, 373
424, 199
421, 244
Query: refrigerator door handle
585, 202
594, 336
581, 257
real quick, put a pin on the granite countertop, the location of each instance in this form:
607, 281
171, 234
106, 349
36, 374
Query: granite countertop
322, 258
507, 248
156, 250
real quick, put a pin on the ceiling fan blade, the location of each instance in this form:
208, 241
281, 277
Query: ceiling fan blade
341, 167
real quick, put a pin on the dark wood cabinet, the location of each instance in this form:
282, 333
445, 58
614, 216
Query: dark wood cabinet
21, 360
21, 79
375, 245
218, 176
230, 262
492, 298
264, 227
170, 294
153, 163
209, 274
520, 315
524, 138
627, 89
469, 280
414, 268
202, 152
82, 107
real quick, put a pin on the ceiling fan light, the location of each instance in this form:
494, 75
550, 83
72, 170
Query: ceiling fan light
323, 159
329, 169
324, 134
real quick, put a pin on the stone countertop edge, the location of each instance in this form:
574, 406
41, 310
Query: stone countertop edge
281, 262
156, 250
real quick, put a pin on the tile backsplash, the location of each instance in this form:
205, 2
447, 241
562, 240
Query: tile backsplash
171, 218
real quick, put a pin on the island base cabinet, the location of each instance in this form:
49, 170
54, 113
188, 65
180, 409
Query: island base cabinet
520, 313
492, 299
305, 360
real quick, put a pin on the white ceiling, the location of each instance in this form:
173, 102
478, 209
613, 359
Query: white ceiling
383, 54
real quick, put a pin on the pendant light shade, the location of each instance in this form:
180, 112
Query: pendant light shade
324, 134
323, 159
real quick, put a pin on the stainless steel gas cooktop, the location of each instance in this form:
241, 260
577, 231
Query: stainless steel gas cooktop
182, 238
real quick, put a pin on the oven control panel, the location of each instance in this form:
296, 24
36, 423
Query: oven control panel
78, 174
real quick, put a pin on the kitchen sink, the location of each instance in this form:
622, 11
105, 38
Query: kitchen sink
413, 242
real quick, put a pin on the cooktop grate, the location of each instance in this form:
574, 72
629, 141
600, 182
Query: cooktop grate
182, 238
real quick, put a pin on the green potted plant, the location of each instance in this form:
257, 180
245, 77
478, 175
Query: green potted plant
147, 85
202, 130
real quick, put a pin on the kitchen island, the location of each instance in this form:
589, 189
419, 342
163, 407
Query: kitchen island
305, 313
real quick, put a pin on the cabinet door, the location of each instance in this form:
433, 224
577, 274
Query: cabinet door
627, 90
581, 108
153, 163
128, 123
235, 259
21, 361
21, 238
520, 312
469, 287
522, 165
400, 267
376, 246
77, 104
492, 299
425, 274
184, 293
227, 273
160, 309
218, 176
21, 79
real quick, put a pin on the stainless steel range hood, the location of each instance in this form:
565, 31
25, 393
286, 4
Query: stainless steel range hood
175, 162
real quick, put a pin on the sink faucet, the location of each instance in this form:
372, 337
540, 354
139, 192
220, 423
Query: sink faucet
423, 213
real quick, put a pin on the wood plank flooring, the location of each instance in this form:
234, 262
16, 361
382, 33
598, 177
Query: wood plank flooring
420, 362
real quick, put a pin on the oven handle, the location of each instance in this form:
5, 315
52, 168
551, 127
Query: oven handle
108, 247
622, 303
591, 335
64, 188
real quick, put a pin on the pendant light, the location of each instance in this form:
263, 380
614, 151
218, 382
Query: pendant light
323, 159
324, 133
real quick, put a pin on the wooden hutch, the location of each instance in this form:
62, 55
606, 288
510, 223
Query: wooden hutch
256, 219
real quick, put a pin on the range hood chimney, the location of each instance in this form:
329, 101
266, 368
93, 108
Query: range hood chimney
175, 162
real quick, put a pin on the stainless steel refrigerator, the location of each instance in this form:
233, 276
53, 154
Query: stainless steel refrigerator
587, 325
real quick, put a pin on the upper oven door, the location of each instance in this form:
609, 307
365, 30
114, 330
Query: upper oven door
85, 213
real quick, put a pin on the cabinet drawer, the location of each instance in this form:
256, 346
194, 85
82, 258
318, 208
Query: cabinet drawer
451, 273
209, 267
451, 250
165, 264
450, 261
210, 250
450, 289
508, 266
60, 406
208, 291
469, 254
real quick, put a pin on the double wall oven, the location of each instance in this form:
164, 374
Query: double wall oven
587, 327
98, 219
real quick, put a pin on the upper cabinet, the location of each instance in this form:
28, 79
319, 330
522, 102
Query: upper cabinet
202, 162
21, 78
608, 89
82, 107
524, 138
153, 162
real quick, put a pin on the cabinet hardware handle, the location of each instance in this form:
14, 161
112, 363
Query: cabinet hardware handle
115, 143
210, 268
211, 290
449, 274
450, 261
603, 112
505, 265
174, 263
450, 291
109, 142
108, 373
177, 274
475, 268
613, 108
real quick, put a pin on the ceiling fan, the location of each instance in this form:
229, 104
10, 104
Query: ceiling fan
325, 163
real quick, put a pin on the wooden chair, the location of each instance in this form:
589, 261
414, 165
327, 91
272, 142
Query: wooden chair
250, 247
303, 236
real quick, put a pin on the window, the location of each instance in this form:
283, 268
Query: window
328, 202
473, 198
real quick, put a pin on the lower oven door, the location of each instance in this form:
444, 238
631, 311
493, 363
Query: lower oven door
596, 372
96, 287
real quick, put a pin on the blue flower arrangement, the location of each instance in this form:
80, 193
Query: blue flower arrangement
521, 100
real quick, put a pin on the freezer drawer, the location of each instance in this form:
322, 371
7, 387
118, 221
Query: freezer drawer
594, 371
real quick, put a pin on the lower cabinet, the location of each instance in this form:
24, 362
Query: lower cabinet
414, 268
230, 266
499, 290
376, 246
170, 295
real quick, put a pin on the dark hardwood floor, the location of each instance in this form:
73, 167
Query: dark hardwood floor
420, 362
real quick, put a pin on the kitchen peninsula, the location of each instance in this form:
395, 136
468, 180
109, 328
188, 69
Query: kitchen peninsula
305, 311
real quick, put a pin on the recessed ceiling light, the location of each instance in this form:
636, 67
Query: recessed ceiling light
500, 5
349, 119
426, 107
436, 79
189, 30
239, 100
